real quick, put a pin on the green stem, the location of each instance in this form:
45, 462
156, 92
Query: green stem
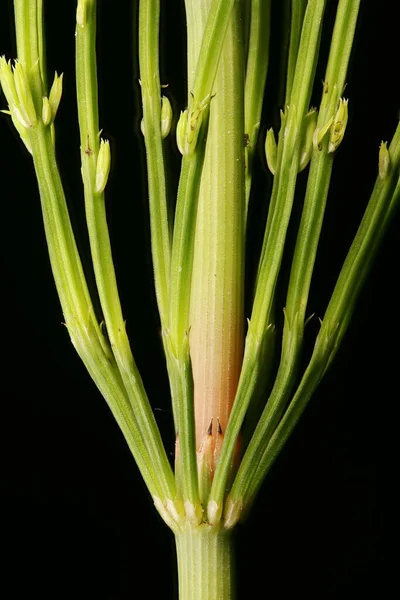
29, 35
216, 311
287, 167
66, 264
41, 44
297, 9
205, 564
256, 75
211, 47
149, 17
203, 61
176, 336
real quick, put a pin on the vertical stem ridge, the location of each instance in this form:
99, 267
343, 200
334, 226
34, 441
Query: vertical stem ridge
205, 564
216, 318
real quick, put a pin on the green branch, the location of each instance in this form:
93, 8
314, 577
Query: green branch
149, 16
306, 247
95, 160
256, 75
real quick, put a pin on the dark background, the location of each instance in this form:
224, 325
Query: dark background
75, 518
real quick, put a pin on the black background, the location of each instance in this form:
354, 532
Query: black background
75, 519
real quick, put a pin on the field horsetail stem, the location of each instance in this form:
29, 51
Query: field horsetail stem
235, 401
217, 290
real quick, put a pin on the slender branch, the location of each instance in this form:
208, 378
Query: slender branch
297, 10
92, 157
305, 251
340, 308
176, 336
149, 17
211, 48
86, 335
256, 75
29, 35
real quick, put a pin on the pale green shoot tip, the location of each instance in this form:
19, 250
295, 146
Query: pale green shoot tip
320, 133
214, 512
271, 150
181, 131
339, 125
103, 166
194, 513
166, 117
17, 92
384, 160
7, 82
81, 13
232, 512
26, 104
55, 94
189, 125
46, 111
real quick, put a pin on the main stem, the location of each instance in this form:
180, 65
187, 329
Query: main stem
216, 310
205, 563
205, 551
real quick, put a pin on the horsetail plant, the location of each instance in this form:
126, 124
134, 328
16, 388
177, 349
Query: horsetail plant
220, 361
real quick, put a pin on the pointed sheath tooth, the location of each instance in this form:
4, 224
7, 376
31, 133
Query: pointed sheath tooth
338, 126
320, 133
7, 82
270, 150
219, 438
46, 111
232, 512
23, 132
308, 129
205, 463
384, 161
189, 126
164, 512
55, 94
192, 129
19, 117
181, 132
26, 105
175, 510
166, 117
103, 166
195, 120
